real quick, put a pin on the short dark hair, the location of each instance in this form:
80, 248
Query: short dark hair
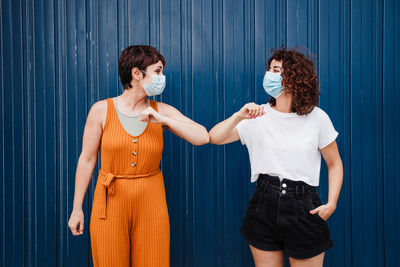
140, 56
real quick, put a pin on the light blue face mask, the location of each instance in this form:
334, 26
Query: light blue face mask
157, 85
272, 84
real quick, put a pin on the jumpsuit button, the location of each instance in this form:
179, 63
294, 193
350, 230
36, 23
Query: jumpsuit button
134, 153
284, 185
134, 140
283, 192
133, 164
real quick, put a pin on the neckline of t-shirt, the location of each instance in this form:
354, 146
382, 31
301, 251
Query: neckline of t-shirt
281, 114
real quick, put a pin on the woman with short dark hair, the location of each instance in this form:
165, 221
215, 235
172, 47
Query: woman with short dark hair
285, 139
129, 224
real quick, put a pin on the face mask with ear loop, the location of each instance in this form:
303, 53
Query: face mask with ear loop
157, 85
272, 84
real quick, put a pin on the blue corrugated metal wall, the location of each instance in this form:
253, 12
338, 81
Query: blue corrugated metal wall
58, 57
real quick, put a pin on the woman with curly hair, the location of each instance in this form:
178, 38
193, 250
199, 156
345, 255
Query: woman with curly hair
285, 139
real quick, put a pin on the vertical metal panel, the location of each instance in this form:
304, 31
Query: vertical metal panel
391, 169
12, 137
59, 57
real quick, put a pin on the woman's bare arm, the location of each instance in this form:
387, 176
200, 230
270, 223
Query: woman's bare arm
87, 162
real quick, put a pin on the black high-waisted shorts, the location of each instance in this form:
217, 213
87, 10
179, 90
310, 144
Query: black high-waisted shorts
278, 218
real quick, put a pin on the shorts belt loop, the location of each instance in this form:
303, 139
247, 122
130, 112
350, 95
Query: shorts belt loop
299, 191
300, 200
262, 184
263, 187
266, 187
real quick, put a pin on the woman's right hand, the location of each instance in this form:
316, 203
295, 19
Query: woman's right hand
76, 222
250, 111
225, 132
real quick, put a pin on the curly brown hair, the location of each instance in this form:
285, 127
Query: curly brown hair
298, 78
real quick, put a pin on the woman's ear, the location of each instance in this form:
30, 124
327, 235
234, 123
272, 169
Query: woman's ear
136, 74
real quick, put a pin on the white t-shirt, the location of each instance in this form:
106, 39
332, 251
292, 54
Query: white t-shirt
286, 144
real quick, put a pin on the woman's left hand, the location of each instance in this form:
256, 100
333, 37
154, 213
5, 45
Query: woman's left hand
152, 116
324, 211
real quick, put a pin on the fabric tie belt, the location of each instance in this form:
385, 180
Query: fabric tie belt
108, 186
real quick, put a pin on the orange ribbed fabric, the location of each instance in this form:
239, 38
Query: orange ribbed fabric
129, 224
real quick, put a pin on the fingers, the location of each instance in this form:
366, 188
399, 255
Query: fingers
73, 228
76, 229
250, 109
76, 224
254, 110
81, 224
322, 212
314, 211
261, 110
145, 114
144, 118
148, 111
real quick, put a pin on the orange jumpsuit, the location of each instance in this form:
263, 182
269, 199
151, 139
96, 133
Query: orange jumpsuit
129, 224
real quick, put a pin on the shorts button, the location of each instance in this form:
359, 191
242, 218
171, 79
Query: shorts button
284, 185
283, 192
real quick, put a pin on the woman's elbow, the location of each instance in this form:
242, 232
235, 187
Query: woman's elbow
88, 159
203, 140
211, 135
214, 140
335, 165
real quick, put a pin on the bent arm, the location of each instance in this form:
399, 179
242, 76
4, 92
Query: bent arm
182, 126
225, 132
